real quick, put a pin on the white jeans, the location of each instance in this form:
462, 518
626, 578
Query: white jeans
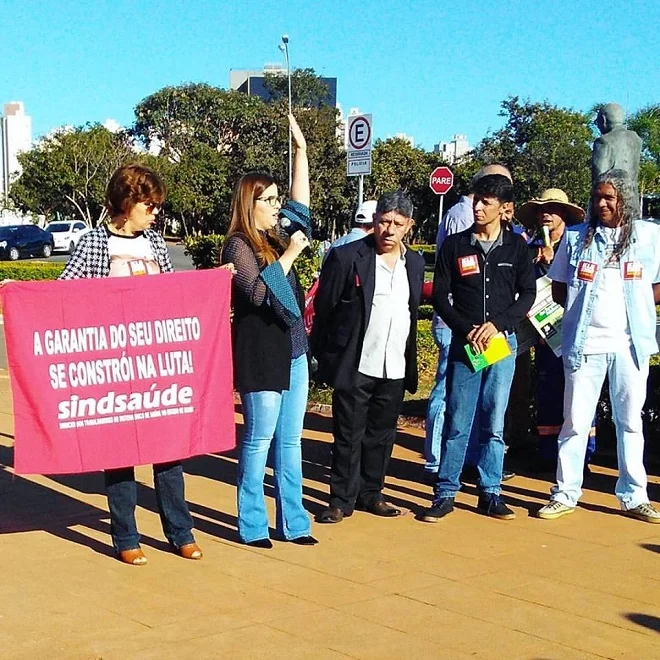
627, 395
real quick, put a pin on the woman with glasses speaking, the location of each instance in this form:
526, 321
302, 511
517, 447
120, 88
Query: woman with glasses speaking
270, 346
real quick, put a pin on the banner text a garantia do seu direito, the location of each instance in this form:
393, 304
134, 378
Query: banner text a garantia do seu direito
115, 372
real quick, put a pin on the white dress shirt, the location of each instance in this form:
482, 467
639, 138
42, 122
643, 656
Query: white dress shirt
384, 346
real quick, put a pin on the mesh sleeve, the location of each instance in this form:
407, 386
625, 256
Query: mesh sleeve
246, 280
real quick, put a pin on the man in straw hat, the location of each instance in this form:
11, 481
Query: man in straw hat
546, 218
607, 276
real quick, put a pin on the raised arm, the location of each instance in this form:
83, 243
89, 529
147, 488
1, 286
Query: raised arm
300, 176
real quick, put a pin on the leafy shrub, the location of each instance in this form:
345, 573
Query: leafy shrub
425, 312
204, 250
427, 357
427, 251
308, 265
205, 253
33, 270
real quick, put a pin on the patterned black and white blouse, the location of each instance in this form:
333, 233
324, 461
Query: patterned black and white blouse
92, 257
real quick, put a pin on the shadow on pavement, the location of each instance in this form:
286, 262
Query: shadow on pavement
653, 547
647, 620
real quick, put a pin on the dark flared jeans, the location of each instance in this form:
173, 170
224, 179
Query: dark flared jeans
175, 517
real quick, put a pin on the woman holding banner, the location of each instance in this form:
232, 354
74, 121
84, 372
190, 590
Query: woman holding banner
270, 346
128, 246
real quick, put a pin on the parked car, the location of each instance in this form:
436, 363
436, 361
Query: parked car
23, 241
66, 234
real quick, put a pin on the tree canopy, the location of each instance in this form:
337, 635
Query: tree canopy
543, 146
201, 139
67, 172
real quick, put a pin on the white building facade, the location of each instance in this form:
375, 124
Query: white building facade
15, 137
453, 150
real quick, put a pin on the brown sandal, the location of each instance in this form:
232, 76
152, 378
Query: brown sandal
190, 551
135, 557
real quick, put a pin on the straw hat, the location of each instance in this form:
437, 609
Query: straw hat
527, 212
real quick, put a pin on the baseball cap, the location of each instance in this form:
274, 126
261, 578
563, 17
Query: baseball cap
365, 213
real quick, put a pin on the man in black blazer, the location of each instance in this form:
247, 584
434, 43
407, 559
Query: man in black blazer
365, 340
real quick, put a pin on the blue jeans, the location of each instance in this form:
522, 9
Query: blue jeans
488, 392
277, 418
435, 416
175, 517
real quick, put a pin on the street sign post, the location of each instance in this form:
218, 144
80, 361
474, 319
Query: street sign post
358, 149
440, 182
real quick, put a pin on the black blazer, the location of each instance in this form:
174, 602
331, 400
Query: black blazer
342, 307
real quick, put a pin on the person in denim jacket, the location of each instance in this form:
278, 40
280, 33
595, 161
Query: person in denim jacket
607, 275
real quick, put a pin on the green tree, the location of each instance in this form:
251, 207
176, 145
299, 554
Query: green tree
397, 165
544, 146
198, 193
646, 123
209, 137
68, 172
307, 89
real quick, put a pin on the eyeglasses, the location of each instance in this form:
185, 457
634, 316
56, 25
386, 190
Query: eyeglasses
273, 200
151, 207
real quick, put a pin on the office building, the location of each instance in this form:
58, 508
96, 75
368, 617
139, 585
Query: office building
453, 150
252, 82
15, 137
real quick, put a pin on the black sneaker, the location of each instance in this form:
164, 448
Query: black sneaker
438, 510
491, 505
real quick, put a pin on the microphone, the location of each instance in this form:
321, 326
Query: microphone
546, 235
287, 225
290, 227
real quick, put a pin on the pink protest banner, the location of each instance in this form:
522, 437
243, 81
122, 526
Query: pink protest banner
121, 371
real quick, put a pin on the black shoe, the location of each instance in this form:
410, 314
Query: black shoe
380, 508
260, 543
437, 510
304, 540
491, 505
507, 474
332, 514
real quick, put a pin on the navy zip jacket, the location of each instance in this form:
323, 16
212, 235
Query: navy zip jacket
499, 287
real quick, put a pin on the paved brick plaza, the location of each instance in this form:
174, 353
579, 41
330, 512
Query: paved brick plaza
585, 586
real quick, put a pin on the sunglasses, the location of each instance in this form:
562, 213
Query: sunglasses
151, 207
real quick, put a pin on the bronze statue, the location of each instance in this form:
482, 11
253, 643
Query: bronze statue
617, 147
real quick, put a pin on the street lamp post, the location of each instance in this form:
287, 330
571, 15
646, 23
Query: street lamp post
284, 47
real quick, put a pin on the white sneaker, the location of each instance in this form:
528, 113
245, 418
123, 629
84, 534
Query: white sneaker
554, 509
645, 512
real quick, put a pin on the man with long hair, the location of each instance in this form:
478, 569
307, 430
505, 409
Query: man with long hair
607, 276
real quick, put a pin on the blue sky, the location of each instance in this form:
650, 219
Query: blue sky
428, 69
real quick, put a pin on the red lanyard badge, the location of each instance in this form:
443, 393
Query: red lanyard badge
632, 270
468, 265
587, 271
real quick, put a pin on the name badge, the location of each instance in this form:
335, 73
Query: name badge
632, 270
137, 267
587, 271
468, 265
